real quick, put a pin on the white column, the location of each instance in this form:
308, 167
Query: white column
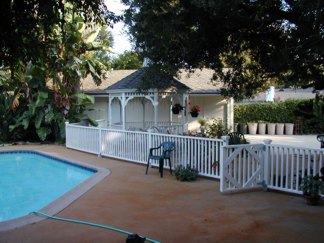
109, 118
230, 113
123, 103
185, 112
156, 105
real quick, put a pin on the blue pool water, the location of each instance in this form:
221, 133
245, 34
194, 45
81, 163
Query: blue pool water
29, 181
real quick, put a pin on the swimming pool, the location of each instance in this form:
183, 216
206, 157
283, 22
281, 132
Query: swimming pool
30, 180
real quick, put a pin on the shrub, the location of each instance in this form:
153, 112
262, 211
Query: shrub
186, 173
216, 129
269, 112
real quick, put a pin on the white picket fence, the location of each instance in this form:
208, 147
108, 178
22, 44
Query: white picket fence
278, 167
287, 165
202, 154
239, 167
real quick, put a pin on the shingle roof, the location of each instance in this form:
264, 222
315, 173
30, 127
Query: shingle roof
133, 81
198, 82
88, 85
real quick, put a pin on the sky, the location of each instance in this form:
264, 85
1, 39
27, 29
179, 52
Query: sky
121, 42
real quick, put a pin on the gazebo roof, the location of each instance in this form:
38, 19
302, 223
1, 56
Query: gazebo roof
198, 82
134, 80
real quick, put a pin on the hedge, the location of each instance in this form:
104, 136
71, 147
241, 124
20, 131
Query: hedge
310, 111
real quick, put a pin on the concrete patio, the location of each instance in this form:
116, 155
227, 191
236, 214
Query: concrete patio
305, 141
170, 211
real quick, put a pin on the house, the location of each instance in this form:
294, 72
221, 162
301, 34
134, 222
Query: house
277, 95
119, 104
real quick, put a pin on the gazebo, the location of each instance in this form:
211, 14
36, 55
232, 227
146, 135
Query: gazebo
130, 108
144, 109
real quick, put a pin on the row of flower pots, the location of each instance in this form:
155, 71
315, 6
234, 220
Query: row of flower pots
267, 128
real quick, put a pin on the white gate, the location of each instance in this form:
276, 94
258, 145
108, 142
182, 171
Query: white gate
242, 167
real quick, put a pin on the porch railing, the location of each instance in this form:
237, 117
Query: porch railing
162, 127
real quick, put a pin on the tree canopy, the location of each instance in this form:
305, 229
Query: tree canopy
46, 47
25, 25
246, 42
127, 60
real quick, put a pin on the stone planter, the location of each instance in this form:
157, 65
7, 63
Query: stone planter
261, 128
289, 128
280, 128
253, 128
271, 128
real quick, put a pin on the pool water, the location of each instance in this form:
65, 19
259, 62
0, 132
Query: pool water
29, 181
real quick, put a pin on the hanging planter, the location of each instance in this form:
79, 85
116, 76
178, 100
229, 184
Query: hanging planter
176, 108
194, 110
194, 114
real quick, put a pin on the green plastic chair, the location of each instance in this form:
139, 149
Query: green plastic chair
161, 153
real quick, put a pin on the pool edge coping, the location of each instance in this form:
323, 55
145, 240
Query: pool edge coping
62, 202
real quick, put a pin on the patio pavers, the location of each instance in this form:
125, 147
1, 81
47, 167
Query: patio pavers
171, 211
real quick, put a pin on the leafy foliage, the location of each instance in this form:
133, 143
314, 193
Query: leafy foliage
268, 112
127, 60
216, 129
252, 43
40, 90
186, 173
310, 111
311, 185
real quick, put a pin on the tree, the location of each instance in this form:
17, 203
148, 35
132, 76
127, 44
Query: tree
127, 60
41, 92
246, 42
25, 25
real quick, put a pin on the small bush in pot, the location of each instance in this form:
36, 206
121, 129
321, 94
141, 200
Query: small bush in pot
311, 187
187, 173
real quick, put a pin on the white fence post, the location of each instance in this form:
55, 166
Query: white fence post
266, 165
100, 143
149, 142
221, 162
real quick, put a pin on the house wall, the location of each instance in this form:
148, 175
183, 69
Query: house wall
137, 108
211, 107
100, 109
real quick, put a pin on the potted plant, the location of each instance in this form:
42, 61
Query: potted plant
176, 108
311, 187
194, 110
202, 121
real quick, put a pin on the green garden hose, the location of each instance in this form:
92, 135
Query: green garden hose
90, 224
